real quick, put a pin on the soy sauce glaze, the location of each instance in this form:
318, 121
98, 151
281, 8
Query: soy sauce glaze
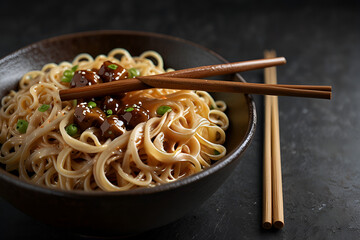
110, 71
84, 78
112, 114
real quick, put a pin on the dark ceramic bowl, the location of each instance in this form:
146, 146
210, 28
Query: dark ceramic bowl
129, 212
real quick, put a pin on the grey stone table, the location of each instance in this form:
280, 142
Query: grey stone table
320, 141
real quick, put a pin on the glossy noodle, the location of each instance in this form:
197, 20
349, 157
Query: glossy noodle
36, 143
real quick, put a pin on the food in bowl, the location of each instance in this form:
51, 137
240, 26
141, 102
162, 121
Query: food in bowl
116, 143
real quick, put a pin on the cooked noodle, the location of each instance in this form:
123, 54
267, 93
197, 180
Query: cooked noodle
161, 150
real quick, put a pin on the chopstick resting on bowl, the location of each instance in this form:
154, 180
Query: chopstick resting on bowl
225, 68
179, 80
116, 87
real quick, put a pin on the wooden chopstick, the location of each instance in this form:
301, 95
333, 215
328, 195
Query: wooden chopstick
160, 81
116, 87
225, 68
272, 109
197, 72
229, 68
278, 208
267, 191
230, 86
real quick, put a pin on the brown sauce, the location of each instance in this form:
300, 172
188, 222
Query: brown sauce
112, 127
132, 115
84, 78
85, 117
111, 103
110, 71
111, 114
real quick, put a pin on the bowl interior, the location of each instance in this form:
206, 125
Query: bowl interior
177, 54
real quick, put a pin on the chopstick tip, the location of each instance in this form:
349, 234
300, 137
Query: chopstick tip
278, 224
267, 225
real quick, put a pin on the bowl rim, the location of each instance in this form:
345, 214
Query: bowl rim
231, 156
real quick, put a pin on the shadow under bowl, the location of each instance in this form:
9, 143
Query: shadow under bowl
139, 210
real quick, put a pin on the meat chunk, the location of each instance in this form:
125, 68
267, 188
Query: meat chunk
112, 104
110, 71
84, 78
112, 127
111, 115
132, 115
86, 116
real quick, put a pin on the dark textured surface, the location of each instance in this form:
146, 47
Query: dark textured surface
319, 138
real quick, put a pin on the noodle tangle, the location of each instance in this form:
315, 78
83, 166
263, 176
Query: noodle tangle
163, 149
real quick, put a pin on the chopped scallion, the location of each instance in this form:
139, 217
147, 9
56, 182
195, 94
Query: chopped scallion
113, 66
66, 79
163, 109
22, 126
68, 73
43, 107
74, 68
129, 109
74, 102
92, 104
133, 72
71, 129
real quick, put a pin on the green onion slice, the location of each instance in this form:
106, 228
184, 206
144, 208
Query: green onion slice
71, 129
113, 66
133, 72
66, 79
163, 109
92, 104
129, 109
74, 68
68, 73
74, 102
22, 126
43, 107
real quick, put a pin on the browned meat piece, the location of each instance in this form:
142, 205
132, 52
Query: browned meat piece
112, 127
132, 115
112, 104
86, 116
85, 78
110, 71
